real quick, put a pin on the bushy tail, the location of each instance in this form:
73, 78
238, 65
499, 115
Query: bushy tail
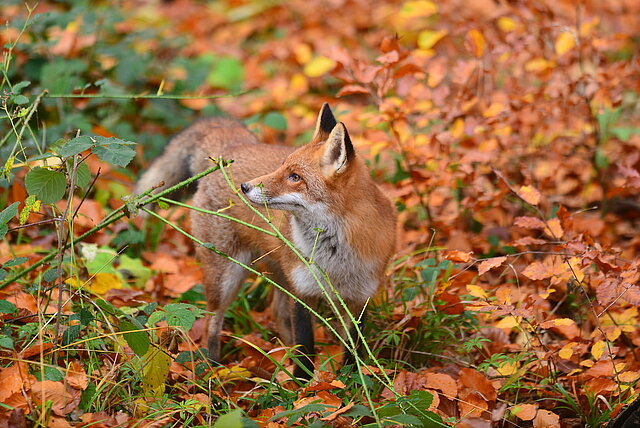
168, 170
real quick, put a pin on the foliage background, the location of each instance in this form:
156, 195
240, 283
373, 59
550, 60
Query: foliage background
506, 132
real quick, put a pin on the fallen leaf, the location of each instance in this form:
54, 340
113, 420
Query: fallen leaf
525, 412
488, 264
546, 419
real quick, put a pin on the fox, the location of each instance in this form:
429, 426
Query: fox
320, 196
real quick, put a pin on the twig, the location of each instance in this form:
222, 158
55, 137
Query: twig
62, 247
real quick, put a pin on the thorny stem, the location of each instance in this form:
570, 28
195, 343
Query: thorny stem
111, 218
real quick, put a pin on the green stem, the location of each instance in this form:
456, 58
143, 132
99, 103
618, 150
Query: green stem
111, 218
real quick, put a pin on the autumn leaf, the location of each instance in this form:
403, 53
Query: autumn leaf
565, 42
318, 66
557, 322
554, 229
488, 264
529, 194
475, 42
529, 222
525, 412
567, 350
538, 271
546, 419
457, 256
427, 39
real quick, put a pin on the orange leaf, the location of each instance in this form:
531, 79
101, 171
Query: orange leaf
538, 271
352, 89
474, 42
554, 228
557, 323
529, 222
457, 256
529, 194
526, 412
442, 382
488, 264
546, 419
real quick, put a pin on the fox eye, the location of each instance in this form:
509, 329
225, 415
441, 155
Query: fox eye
294, 177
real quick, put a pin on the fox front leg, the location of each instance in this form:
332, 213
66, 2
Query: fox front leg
303, 334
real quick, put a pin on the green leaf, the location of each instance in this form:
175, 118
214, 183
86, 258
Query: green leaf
181, 315
114, 150
6, 342
7, 307
8, 213
46, 185
276, 120
136, 268
20, 86
137, 340
50, 373
20, 99
75, 146
15, 262
227, 73
233, 419
3, 230
71, 334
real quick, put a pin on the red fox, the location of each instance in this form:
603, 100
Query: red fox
328, 206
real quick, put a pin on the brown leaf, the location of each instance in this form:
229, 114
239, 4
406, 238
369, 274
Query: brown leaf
442, 382
488, 264
529, 194
546, 419
538, 271
352, 89
476, 381
554, 228
526, 241
457, 256
529, 222
76, 376
63, 400
526, 412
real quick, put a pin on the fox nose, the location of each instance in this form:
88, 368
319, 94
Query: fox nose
244, 187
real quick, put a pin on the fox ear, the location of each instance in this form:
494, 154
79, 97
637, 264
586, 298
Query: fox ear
338, 151
324, 124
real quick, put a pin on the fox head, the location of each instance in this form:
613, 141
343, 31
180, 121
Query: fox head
309, 177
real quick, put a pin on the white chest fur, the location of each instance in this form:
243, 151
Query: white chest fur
322, 240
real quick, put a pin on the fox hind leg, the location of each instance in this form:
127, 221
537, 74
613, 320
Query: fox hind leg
223, 279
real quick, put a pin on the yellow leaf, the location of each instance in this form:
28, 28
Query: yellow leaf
629, 376
493, 110
155, 369
567, 350
103, 282
476, 291
417, 9
428, 39
457, 129
530, 194
303, 53
557, 322
235, 372
506, 24
509, 322
598, 349
507, 368
475, 42
564, 43
554, 228
318, 66
538, 65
